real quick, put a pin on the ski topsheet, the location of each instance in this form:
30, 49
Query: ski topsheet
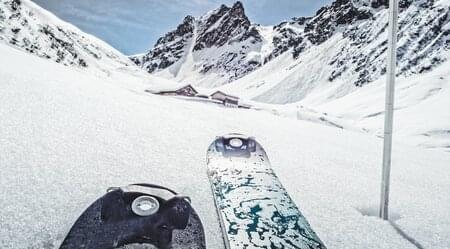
254, 209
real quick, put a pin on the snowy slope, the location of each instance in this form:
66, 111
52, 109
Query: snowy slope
345, 42
422, 116
421, 100
337, 53
67, 136
28, 27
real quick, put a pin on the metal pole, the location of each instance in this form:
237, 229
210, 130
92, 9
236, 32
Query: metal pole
389, 111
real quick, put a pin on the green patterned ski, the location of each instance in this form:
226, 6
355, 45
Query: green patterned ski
254, 209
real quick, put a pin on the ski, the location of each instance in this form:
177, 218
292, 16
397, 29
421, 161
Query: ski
254, 209
138, 214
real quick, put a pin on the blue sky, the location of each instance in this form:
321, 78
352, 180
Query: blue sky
133, 26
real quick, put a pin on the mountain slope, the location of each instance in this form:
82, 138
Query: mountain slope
210, 50
350, 37
26, 26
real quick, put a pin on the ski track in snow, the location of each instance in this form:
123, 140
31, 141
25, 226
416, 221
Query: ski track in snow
66, 136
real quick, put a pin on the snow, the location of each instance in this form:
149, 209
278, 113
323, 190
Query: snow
267, 46
188, 68
187, 63
422, 117
67, 135
61, 41
50, 18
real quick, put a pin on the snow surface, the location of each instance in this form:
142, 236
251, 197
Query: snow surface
67, 135
422, 101
341, 81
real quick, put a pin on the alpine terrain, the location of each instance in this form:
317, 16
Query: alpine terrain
223, 45
330, 65
211, 50
26, 26
77, 117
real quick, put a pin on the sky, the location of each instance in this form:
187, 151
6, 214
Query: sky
133, 26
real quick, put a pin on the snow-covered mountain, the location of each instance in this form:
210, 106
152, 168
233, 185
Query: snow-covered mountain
349, 37
211, 50
26, 26
339, 54
331, 64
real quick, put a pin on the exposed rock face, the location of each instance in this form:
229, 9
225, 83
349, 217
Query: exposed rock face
288, 35
28, 27
328, 19
169, 48
219, 41
423, 36
227, 44
226, 25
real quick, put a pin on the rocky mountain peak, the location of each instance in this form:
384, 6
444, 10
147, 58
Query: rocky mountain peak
184, 29
224, 25
238, 9
225, 33
188, 20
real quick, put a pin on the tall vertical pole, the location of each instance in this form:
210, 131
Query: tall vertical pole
389, 109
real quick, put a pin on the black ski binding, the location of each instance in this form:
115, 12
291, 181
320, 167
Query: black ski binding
138, 214
235, 145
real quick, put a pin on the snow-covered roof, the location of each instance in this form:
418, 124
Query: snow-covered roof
167, 88
225, 94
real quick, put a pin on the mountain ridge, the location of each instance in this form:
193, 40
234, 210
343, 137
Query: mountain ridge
217, 32
361, 24
28, 27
